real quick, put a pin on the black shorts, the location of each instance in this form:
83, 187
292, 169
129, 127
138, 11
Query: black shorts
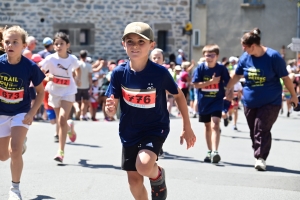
129, 154
32, 93
207, 118
82, 94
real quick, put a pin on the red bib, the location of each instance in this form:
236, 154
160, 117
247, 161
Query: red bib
139, 98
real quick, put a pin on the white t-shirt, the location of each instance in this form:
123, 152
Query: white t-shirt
95, 93
238, 86
86, 70
291, 69
63, 83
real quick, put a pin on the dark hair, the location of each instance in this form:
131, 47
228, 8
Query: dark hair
211, 48
224, 59
252, 37
83, 54
64, 37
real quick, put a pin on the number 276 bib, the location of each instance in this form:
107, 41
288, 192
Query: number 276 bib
139, 98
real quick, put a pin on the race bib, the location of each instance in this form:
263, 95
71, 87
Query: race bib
11, 96
61, 81
211, 88
139, 98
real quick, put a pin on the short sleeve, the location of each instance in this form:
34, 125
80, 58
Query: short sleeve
45, 63
169, 83
37, 76
225, 75
197, 76
279, 66
240, 66
75, 64
90, 68
114, 86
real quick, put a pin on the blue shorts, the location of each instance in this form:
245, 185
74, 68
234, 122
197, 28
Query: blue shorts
51, 114
192, 94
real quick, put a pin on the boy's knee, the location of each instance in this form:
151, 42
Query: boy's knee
144, 169
15, 151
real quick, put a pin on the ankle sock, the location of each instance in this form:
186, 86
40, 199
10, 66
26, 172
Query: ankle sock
15, 185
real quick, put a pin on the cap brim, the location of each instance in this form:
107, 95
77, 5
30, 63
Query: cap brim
137, 34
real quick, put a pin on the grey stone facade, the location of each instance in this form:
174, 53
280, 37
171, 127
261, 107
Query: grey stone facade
105, 21
224, 22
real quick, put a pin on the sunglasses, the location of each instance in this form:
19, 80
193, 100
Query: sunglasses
210, 55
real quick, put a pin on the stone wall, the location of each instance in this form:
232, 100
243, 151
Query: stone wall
105, 19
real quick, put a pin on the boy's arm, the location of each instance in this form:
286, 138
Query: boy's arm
111, 106
187, 132
28, 118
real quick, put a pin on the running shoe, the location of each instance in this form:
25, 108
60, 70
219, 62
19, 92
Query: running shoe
24, 146
235, 128
56, 138
288, 114
71, 133
226, 122
14, 194
260, 165
208, 157
215, 157
281, 111
230, 118
59, 157
158, 187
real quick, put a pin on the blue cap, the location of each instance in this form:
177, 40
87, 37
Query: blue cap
47, 41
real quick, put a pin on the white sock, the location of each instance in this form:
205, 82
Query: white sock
15, 185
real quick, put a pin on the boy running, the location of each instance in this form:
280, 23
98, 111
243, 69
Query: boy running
140, 85
211, 78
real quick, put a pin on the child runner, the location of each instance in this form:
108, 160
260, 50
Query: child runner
211, 78
62, 87
237, 94
140, 85
94, 99
157, 57
15, 113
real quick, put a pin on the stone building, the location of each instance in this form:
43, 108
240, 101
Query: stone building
97, 25
224, 23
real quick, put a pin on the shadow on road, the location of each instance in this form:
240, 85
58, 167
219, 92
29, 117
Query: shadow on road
83, 145
248, 138
41, 197
83, 163
169, 156
269, 168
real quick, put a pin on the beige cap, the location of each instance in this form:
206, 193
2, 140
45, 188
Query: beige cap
140, 28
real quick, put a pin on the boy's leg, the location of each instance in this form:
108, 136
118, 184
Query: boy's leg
136, 185
206, 119
215, 136
18, 134
4, 153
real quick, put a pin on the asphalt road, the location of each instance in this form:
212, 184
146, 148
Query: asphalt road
91, 169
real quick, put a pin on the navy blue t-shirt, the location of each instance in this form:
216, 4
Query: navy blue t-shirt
210, 98
262, 78
142, 97
14, 85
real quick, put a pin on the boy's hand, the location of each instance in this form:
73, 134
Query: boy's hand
214, 79
110, 104
189, 136
28, 118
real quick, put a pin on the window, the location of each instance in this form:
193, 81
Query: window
253, 1
81, 35
84, 37
196, 38
162, 40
